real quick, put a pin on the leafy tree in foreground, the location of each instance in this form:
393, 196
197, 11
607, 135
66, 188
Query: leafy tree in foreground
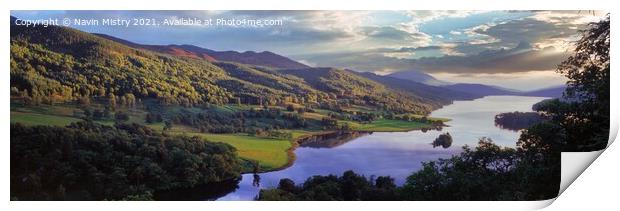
583, 112
88, 161
350, 186
488, 172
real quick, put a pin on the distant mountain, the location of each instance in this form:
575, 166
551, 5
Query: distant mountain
478, 90
554, 92
177, 50
418, 76
481, 89
265, 58
437, 93
465, 90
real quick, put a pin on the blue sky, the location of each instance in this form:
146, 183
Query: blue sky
516, 49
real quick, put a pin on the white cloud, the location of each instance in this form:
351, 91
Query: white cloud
422, 16
569, 17
477, 38
449, 50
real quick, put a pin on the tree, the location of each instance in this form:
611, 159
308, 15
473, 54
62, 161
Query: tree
87, 112
97, 114
444, 140
290, 107
84, 101
112, 102
121, 116
90, 161
329, 123
588, 70
167, 125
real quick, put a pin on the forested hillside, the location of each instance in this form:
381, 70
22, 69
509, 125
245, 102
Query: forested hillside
59, 64
265, 58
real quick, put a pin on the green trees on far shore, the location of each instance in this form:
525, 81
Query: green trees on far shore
518, 120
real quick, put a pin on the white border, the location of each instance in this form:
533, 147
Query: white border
596, 187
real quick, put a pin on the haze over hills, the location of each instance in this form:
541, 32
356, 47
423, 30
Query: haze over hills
428, 91
555, 91
418, 76
479, 90
264, 58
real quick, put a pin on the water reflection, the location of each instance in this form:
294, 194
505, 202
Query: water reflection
330, 140
397, 154
256, 180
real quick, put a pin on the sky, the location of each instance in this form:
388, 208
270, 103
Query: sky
513, 49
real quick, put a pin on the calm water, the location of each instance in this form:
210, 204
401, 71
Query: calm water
396, 154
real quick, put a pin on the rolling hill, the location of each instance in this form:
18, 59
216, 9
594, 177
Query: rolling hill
437, 93
555, 92
265, 58
418, 76
59, 64
481, 89
475, 90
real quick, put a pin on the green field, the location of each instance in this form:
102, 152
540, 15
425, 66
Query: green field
270, 153
40, 119
388, 125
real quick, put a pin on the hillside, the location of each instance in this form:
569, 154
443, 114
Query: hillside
418, 76
457, 91
481, 89
435, 93
470, 90
59, 64
265, 58
554, 92
348, 84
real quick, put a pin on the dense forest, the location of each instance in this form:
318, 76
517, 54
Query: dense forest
579, 121
89, 161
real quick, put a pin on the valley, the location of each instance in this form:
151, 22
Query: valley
98, 117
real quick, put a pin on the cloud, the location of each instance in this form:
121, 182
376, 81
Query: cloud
535, 43
521, 58
569, 17
387, 35
423, 16
526, 30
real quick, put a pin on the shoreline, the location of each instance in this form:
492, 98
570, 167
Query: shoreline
296, 142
